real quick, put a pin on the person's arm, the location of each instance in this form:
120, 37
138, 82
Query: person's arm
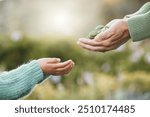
18, 82
110, 39
144, 9
139, 26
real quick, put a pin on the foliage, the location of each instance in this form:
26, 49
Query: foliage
110, 72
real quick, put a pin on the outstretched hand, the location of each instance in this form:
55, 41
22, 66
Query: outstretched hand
110, 39
54, 66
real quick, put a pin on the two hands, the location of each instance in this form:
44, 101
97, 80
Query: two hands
110, 38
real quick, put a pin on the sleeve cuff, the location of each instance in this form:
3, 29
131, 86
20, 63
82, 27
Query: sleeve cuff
139, 27
36, 71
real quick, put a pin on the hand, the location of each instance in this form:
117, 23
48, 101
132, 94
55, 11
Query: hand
110, 39
100, 28
54, 66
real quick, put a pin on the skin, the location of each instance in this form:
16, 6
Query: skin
54, 66
112, 38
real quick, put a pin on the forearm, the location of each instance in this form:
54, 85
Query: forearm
19, 82
144, 9
139, 26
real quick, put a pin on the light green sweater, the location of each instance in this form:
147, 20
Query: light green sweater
139, 23
19, 82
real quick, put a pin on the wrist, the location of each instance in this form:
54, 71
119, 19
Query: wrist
126, 28
126, 17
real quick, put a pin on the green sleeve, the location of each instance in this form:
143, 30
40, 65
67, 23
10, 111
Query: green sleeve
19, 82
139, 26
144, 9
134, 26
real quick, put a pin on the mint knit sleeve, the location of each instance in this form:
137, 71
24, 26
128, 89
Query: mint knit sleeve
144, 9
139, 26
19, 82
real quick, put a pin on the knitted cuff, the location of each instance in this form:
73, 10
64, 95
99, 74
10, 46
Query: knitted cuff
36, 71
139, 26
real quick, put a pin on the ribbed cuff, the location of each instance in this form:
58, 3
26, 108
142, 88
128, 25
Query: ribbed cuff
30, 76
139, 27
37, 74
36, 71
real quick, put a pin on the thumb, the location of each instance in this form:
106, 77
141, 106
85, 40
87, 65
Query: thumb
103, 35
54, 60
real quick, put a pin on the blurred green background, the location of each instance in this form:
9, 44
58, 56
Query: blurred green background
32, 29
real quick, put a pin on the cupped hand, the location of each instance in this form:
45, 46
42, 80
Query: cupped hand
54, 66
112, 38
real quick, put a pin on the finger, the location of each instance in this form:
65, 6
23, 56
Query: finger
61, 65
64, 68
68, 70
107, 43
53, 60
64, 72
85, 46
104, 35
88, 42
112, 47
114, 40
101, 36
92, 48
